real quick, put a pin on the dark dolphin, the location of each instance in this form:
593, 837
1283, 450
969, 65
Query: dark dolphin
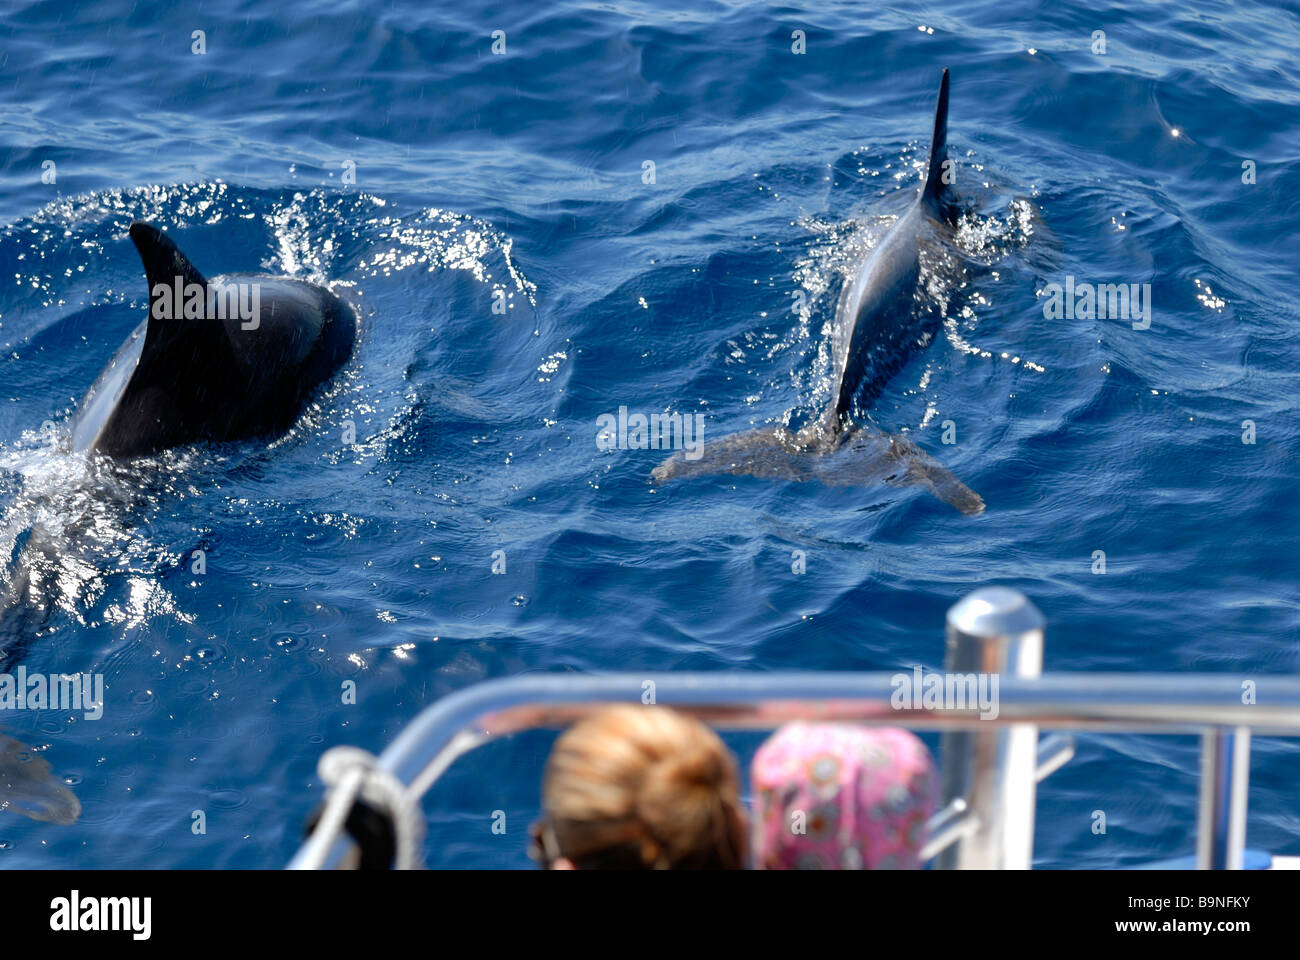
197, 368
876, 328
208, 371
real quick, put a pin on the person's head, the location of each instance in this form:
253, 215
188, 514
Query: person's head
836, 796
640, 788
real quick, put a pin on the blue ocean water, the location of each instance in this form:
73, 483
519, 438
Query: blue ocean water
385, 149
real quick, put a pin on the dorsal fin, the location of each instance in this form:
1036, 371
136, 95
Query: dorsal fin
164, 266
934, 185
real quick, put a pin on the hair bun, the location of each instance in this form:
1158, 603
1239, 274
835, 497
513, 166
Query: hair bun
697, 765
681, 798
644, 786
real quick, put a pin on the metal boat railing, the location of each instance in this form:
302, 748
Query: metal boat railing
990, 763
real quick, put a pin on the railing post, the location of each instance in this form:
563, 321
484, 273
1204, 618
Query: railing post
1225, 781
997, 631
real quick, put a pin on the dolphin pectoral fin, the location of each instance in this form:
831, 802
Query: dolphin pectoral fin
869, 457
766, 452
923, 470
943, 483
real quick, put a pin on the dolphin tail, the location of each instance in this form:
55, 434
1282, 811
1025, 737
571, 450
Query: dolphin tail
863, 458
933, 191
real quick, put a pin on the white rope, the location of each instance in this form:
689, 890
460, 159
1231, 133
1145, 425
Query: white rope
350, 772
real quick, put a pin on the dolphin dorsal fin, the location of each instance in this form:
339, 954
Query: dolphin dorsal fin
932, 192
164, 266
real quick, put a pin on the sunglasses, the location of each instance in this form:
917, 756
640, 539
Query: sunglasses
542, 845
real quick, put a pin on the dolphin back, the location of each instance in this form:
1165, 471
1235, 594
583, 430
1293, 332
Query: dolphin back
237, 360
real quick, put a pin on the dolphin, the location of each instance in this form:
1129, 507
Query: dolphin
28, 786
225, 359
876, 329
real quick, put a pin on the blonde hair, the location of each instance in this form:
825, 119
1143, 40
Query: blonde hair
644, 787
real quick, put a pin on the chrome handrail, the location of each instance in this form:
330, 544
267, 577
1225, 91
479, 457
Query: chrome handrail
1212, 705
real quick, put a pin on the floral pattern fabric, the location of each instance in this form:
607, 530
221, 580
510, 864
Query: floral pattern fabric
841, 797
